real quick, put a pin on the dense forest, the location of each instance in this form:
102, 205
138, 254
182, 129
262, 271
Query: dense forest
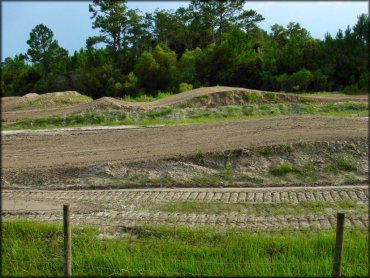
205, 44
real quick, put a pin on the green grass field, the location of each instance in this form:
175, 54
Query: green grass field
171, 116
36, 249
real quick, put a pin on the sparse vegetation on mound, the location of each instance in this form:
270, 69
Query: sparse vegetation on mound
169, 116
57, 104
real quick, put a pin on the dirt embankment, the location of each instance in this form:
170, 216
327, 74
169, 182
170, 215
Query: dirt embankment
34, 106
160, 156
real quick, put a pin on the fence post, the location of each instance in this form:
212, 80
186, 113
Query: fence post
338, 245
67, 242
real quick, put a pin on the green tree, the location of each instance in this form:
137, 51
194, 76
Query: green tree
301, 79
156, 70
186, 66
219, 16
17, 77
110, 17
43, 49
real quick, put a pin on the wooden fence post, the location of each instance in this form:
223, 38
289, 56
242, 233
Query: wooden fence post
67, 242
338, 245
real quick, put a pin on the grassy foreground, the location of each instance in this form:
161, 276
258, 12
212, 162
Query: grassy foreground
170, 116
35, 249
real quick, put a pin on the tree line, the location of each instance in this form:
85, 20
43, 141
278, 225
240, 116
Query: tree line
205, 44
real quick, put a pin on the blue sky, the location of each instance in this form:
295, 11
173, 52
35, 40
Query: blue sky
71, 23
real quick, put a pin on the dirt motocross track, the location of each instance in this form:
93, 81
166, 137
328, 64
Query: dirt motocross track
15, 108
34, 155
79, 147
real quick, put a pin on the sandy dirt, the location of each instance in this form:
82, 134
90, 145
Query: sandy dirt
114, 208
92, 146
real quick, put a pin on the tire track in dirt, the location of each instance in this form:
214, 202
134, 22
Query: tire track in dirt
124, 207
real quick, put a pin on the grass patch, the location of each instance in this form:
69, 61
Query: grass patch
200, 154
272, 97
260, 209
158, 113
35, 249
202, 98
343, 163
146, 98
226, 175
276, 149
253, 97
284, 168
324, 94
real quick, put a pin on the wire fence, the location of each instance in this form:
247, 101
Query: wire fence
99, 245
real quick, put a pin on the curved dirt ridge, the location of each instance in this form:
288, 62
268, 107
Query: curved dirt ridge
117, 208
204, 96
78, 147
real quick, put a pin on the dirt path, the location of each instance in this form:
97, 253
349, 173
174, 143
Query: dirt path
30, 150
130, 207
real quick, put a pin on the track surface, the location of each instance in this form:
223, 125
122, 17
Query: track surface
74, 148
129, 207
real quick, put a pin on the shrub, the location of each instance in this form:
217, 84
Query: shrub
254, 97
271, 96
200, 154
232, 111
346, 164
185, 87
250, 110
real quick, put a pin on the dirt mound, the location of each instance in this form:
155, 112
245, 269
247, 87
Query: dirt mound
32, 101
31, 95
108, 103
221, 96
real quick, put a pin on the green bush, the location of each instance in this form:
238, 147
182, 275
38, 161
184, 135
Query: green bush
200, 154
250, 110
185, 87
233, 111
346, 163
254, 97
271, 96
